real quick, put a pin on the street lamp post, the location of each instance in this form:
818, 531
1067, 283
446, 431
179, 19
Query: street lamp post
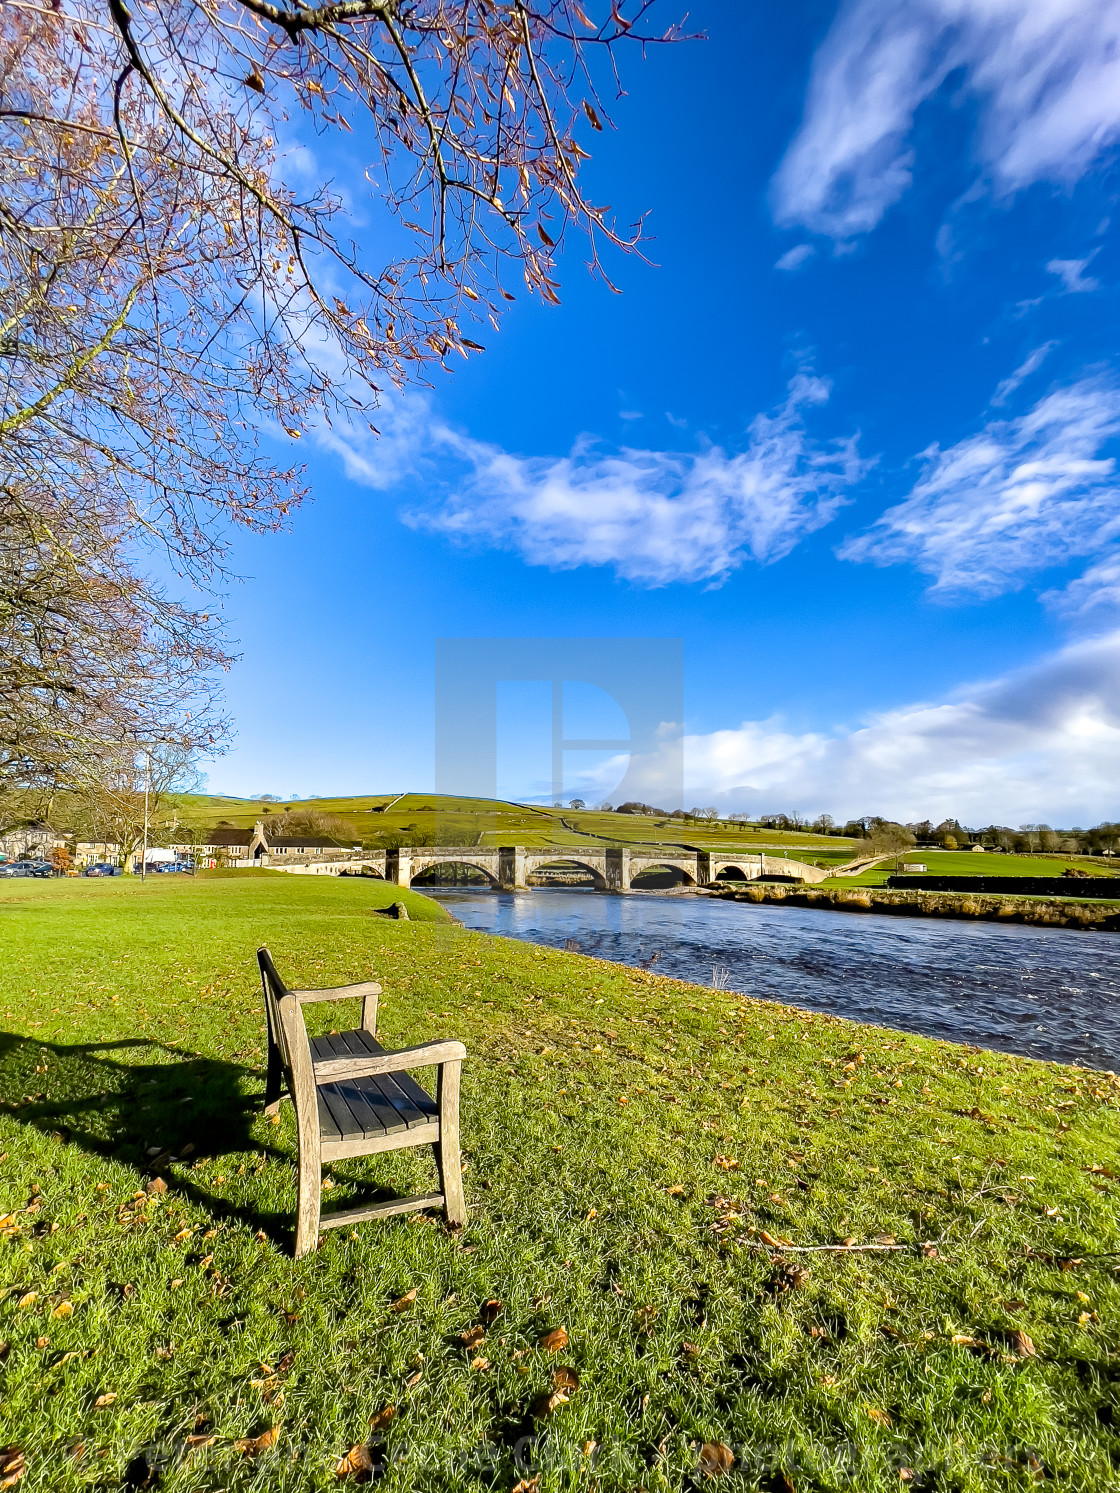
147, 787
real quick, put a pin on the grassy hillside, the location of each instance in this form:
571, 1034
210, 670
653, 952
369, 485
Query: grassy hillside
470, 821
644, 1161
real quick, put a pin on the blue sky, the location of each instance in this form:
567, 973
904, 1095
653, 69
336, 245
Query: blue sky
851, 436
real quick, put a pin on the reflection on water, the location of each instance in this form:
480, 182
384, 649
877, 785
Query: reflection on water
1048, 993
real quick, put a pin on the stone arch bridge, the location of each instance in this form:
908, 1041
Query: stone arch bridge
612, 868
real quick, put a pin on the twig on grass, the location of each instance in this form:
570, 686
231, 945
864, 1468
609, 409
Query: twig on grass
815, 1249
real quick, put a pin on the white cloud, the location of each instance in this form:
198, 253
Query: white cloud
1022, 495
1092, 594
794, 258
1072, 274
402, 429
1030, 364
1046, 74
654, 516
1039, 744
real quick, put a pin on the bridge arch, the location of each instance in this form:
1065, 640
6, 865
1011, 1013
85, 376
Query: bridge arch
732, 872
536, 863
658, 871
429, 864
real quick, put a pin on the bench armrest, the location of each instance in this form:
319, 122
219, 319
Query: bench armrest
338, 992
332, 1070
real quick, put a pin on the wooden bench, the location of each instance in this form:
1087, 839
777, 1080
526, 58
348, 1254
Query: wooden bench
352, 1097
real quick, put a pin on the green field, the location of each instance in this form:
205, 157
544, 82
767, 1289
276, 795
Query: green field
642, 1156
967, 863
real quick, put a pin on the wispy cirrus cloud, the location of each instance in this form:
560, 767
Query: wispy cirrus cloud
653, 516
1071, 272
1019, 496
1091, 596
1046, 74
1030, 364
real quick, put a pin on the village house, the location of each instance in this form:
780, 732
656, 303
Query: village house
252, 847
33, 841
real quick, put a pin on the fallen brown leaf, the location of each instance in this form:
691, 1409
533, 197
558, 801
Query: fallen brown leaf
690, 1350
716, 1459
546, 1402
566, 1379
480, 1365
403, 1303
676, 1191
554, 1341
29, 1298
156, 1185
879, 1416
63, 1309
1022, 1344
414, 1379
357, 1463
383, 1417
472, 1337
527, 1485
490, 1311
105, 1399
13, 1465
252, 1446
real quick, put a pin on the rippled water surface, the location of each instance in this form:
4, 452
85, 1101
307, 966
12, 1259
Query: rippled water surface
1049, 993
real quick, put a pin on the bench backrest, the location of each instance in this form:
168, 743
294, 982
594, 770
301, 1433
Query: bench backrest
274, 992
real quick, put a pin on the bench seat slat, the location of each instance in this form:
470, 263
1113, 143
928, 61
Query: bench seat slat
412, 1102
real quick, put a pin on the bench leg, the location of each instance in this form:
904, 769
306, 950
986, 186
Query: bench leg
310, 1185
447, 1152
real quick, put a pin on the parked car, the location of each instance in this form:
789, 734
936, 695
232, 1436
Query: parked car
101, 868
13, 868
27, 868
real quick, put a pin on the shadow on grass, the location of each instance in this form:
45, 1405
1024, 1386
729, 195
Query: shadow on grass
143, 1103
124, 1099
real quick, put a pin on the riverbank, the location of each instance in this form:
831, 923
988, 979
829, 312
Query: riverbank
1038, 912
833, 1249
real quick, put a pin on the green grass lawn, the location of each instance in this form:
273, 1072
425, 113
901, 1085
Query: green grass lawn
966, 863
641, 1155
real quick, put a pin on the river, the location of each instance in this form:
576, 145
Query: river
1043, 992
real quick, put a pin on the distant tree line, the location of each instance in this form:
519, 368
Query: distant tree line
876, 835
